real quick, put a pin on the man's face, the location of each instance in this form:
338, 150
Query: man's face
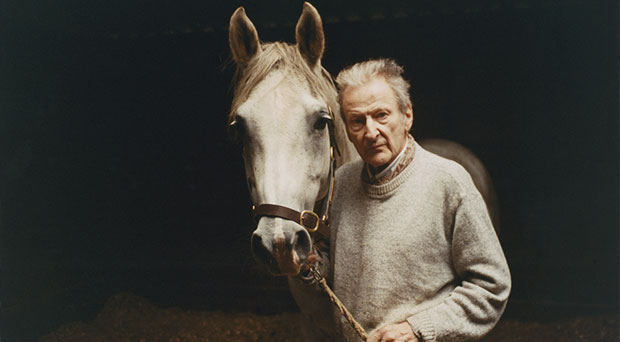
375, 124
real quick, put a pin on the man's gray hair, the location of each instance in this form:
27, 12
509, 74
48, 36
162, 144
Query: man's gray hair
360, 73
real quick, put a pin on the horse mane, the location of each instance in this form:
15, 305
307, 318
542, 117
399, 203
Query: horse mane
280, 55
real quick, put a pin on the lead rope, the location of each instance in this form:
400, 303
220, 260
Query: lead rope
343, 310
315, 273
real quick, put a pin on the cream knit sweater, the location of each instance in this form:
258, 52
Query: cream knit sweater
420, 248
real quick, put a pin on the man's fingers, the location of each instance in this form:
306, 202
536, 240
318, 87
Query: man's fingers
393, 333
391, 336
374, 337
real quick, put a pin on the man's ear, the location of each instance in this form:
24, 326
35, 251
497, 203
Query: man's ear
408, 117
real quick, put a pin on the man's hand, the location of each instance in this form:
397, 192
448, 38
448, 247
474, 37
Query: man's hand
400, 332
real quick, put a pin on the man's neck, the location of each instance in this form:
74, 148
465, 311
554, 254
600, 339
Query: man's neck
385, 170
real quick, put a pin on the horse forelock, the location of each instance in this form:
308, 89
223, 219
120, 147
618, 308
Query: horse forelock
279, 55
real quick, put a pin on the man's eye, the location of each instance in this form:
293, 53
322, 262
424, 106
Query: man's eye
357, 121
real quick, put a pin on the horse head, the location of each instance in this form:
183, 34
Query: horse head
281, 113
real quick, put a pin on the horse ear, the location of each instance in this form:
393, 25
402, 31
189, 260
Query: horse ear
309, 35
242, 37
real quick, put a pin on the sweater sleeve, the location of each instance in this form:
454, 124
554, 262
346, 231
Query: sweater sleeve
475, 305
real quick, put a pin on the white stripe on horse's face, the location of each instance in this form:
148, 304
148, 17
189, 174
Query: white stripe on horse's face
278, 232
286, 157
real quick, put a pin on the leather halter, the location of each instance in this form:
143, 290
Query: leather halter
308, 219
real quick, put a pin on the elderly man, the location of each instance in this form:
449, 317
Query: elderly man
414, 254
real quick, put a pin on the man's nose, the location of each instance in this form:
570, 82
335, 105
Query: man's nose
371, 129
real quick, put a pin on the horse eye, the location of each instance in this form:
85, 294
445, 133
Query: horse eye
236, 130
322, 122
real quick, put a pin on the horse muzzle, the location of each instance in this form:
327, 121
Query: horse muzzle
282, 246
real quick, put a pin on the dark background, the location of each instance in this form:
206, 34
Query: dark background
116, 173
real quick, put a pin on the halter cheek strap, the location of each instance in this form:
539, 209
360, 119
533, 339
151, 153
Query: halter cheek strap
310, 220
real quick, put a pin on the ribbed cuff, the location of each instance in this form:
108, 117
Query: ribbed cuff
423, 328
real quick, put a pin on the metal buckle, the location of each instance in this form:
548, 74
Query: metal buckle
313, 214
316, 274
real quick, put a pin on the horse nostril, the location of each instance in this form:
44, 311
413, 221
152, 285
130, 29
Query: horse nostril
302, 239
259, 249
292, 243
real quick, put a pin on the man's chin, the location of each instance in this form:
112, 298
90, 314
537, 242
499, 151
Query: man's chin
378, 163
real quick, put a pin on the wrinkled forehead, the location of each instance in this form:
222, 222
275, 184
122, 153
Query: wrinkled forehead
280, 93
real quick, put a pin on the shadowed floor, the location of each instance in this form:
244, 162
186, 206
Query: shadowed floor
127, 317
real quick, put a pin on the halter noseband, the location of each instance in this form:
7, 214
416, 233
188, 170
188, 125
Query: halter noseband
310, 220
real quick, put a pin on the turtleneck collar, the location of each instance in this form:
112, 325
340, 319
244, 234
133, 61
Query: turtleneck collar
404, 158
